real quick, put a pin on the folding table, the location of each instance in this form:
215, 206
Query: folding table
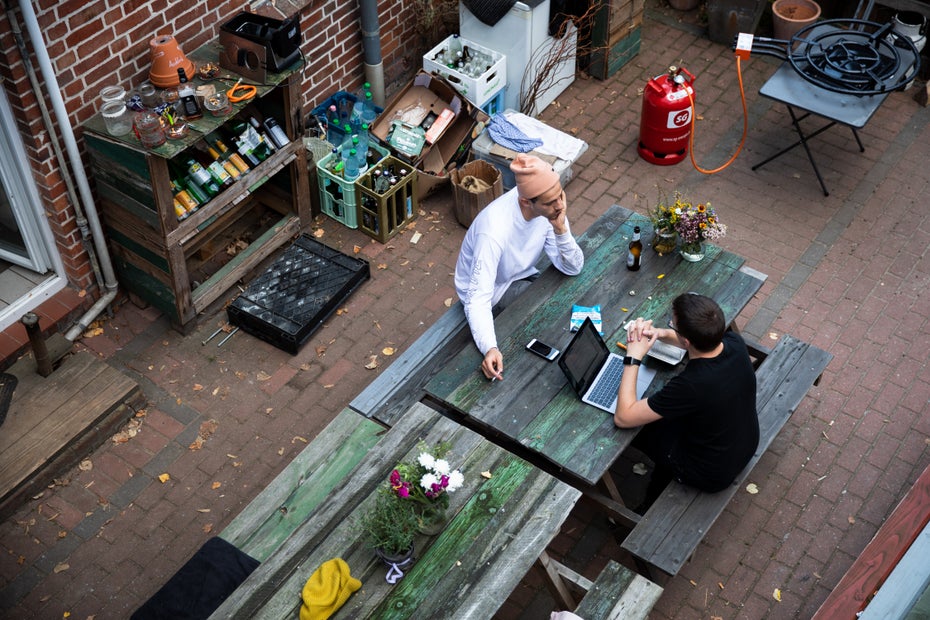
804, 98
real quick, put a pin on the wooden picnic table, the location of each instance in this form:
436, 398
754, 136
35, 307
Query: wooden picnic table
534, 406
499, 525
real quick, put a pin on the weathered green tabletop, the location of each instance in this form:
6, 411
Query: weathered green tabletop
499, 524
534, 405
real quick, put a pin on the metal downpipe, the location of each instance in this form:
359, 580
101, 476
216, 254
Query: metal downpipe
371, 46
77, 168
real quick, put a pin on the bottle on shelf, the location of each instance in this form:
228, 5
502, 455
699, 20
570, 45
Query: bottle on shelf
231, 156
190, 109
277, 134
184, 204
227, 165
194, 190
203, 179
250, 141
263, 135
635, 252
213, 165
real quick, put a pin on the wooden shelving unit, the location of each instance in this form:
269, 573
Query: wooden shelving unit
181, 267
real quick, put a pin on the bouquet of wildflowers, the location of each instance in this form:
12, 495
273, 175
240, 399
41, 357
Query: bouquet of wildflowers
697, 223
429, 479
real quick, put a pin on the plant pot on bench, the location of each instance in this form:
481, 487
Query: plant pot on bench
790, 16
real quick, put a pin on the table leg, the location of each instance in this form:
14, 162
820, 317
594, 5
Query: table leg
795, 120
553, 572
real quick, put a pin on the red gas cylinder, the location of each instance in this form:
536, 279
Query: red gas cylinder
666, 122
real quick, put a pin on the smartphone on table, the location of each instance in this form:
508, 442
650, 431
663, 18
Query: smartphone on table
542, 350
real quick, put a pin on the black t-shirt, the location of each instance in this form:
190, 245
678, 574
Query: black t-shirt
711, 408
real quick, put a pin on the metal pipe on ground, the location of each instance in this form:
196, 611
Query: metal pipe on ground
43, 362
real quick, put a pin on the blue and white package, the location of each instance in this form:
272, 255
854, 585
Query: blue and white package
579, 313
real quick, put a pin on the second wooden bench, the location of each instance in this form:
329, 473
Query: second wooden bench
673, 527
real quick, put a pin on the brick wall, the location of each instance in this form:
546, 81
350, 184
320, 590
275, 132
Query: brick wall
95, 43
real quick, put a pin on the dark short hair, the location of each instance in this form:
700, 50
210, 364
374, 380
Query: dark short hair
699, 319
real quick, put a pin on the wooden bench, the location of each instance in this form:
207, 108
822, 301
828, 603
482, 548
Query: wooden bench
619, 594
400, 385
892, 567
307, 481
667, 535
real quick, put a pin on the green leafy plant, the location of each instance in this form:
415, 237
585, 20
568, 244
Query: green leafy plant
389, 525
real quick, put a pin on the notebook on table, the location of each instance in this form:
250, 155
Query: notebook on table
594, 372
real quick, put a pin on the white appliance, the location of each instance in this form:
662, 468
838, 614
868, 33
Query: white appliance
522, 35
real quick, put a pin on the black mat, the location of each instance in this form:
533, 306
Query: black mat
7, 385
201, 585
489, 12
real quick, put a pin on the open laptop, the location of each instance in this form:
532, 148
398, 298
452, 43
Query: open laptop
594, 372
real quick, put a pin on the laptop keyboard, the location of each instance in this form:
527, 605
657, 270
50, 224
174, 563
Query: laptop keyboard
605, 390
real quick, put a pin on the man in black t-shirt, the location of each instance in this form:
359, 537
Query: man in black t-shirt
702, 427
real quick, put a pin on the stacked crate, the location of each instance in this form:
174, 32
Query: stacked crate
381, 215
615, 36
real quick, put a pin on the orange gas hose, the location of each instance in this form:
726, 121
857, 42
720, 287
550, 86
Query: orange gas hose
742, 94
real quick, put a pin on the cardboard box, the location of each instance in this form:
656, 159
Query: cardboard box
477, 90
433, 94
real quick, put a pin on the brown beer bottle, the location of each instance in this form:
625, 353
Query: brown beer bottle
635, 253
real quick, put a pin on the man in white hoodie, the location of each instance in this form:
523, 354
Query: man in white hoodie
500, 250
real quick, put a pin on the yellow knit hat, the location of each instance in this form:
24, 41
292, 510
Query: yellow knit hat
327, 589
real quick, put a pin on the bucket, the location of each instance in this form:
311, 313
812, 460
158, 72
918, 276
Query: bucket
474, 186
912, 25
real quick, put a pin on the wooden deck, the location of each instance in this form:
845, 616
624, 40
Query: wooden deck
54, 421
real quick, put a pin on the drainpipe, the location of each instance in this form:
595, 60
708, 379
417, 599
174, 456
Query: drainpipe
77, 167
79, 219
371, 45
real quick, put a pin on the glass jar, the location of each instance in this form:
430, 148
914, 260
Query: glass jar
116, 117
149, 129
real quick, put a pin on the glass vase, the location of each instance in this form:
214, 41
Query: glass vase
664, 241
431, 520
692, 251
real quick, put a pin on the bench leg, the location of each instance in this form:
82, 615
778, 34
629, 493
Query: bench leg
554, 582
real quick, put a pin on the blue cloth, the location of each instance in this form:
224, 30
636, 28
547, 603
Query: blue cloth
509, 135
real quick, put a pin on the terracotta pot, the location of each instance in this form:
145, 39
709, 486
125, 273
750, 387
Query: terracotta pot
790, 16
167, 58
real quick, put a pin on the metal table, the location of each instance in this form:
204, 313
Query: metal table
798, 94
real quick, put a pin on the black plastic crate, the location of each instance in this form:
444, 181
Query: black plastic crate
299, 291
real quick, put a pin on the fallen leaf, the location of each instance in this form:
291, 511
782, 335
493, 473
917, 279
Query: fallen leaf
720, 585
356, 249
773, 336
640, 469
197, 387
624, 309
203, 510
163, 478
372, 362
486, 474
86, 465
341, 311
207, 528
262, 375
216, 485
416, 237
852, 520
321, 350
751, 488
280, 451
197, 444
777, 595
693, 582
387, 351
319, 232
297, 438
382, 266
448, 302
208, 428
660, 276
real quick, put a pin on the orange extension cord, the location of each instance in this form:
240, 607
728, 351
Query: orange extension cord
742, 94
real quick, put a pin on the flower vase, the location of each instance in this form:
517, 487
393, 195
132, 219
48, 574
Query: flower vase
664, 241
431, 520
692, 251
398, 563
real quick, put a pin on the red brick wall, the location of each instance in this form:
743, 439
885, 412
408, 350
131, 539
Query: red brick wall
95, 43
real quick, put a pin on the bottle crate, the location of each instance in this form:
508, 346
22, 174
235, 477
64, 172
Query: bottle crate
337, 195
383, 215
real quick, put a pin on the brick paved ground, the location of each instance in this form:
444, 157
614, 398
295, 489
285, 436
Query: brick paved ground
849, 273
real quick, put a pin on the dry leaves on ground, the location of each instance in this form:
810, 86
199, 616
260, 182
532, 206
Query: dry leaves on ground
128, 432
372, 362
207, 428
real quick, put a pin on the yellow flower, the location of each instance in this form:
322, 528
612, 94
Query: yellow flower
701, 208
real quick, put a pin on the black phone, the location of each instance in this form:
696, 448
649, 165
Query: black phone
542, 350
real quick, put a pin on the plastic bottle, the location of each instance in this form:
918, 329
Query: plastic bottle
351, 170
369, 114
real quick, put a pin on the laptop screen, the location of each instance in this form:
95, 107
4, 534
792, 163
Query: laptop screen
583, 357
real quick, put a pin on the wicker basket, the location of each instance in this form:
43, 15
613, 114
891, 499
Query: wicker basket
467, 203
